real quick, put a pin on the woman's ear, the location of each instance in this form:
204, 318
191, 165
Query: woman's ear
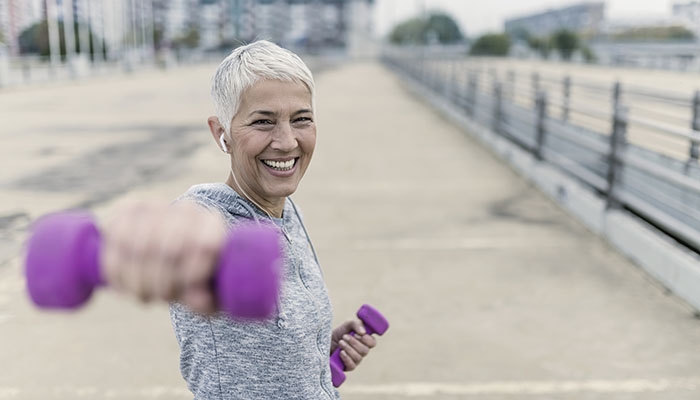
218, 133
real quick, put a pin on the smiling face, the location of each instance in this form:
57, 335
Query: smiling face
272, 139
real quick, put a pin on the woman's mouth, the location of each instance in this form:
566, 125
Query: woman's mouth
281, 165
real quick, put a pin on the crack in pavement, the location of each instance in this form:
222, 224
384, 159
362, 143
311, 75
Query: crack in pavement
104, 174
117, 168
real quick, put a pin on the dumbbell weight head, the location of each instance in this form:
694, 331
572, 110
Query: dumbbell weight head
62, 266
374, 323
248, 278
373, 320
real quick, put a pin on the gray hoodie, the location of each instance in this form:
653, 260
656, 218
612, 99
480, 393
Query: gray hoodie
285, 357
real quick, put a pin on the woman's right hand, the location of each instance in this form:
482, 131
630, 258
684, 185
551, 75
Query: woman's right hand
158, 251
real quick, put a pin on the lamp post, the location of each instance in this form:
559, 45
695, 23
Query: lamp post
69, 32
54, 44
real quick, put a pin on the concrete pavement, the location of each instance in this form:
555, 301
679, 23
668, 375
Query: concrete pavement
492, 291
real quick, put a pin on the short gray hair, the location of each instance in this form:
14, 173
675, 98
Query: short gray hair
248, 64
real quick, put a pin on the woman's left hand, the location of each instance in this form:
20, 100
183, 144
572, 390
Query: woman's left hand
352, 348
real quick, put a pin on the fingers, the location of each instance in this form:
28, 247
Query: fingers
355, 348
357, 326
368, 340
157, 251
167, 265
345, 327
349, 363
144, 256
123, 237
200, 299
203, 247
199, 263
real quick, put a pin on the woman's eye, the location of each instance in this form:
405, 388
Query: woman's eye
262, 122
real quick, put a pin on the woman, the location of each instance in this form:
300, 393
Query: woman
264, 104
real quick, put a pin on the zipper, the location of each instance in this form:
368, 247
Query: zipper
297, 267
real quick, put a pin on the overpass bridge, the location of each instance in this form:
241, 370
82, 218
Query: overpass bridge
492, 289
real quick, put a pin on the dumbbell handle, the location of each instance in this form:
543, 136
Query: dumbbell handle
374, 323
63, 266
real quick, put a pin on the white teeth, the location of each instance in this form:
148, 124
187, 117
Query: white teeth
280, 165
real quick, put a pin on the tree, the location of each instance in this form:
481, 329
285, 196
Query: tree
655, 33
519, 33
411, 31
588, 54
35, 39
446, 28
680, 33
189, 39
438, 26
541, 45
160, 10
491, 44
565, 41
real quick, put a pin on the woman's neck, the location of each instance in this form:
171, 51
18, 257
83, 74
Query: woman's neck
273, 209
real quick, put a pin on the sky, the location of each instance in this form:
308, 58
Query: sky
479, 16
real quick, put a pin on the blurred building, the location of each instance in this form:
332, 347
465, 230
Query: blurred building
583, 17
617, 25
689, 15
359, 27
294, 23
272, 21
15, 16
179, 16
132, 28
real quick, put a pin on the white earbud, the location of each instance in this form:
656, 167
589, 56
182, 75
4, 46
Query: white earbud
223, 144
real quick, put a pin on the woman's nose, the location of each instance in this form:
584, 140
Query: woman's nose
284, 139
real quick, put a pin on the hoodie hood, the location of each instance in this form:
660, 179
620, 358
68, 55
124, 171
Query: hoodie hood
223, 198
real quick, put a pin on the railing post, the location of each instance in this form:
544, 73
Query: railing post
511, 85
419, 68
618, 141
430, 74
541, 123
451, 84
535, 85
471, 94
566, 99
444, 77
497, 106
436, 76
26, 71
458, 82
616, 96
493, 74
695, 125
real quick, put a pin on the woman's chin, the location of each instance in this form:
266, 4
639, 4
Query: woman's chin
281, 190
279, 187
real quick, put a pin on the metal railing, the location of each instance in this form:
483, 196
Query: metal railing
637, 147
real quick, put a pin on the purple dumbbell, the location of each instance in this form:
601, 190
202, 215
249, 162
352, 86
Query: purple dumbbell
63, 268
374, 322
